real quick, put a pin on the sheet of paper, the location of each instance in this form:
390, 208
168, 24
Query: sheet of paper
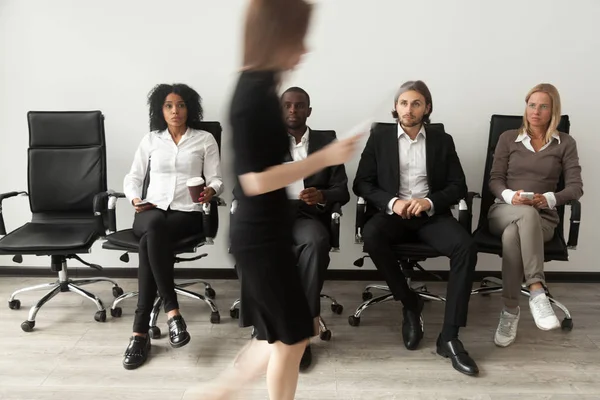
294, 188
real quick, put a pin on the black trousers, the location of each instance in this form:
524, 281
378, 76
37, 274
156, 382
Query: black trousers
441, 232
312, 244
158, 230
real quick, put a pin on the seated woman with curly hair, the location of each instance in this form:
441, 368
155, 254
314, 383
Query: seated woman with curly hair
178, 151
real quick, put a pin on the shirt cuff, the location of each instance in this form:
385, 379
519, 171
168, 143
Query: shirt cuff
431, 211
390, 206
550, 199
507, 195
216, 187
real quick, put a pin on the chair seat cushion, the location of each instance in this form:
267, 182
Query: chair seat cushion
40, 237
555, 249
126, 240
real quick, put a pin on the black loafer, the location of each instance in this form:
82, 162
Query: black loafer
137, 352
306, 360
178, 335
412, 325
461, 361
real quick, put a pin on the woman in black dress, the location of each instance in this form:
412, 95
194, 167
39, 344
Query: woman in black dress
273, 301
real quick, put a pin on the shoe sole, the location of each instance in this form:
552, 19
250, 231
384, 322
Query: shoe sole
504, 345
180, 344
547, 329
456, 369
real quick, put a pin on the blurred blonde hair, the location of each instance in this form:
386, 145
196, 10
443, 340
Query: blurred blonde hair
551, 91
273, 29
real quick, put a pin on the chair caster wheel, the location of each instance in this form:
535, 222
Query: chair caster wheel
353, 321
215, 317
325, 335
100, 316
367, 296
14, 305
235, 313
210, 293
27, 326
117, 291
116, 312
154, 332
567, 324
337, 308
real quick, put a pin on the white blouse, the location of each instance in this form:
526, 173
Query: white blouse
196, 154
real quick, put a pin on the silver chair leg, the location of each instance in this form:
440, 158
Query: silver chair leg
384, 288
122, 297
215, 317
84, 293
32, 288
81, 282
155, 311
34, 310
354, 319
324, 332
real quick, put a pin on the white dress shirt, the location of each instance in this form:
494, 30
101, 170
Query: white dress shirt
523, 137
413, 169
299, 151
196, 154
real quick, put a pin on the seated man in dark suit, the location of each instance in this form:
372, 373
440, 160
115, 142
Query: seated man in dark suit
410, 175
313, 207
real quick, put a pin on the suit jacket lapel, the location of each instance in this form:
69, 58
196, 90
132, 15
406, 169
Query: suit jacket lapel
430, 144
391, 143
313, 142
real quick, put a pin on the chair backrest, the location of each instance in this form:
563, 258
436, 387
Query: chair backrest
498, 125
66, 163
434, 125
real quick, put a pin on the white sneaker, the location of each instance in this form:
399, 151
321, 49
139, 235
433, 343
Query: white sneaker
542, 312
506, 333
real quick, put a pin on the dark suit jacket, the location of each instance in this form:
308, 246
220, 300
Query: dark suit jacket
332, 181
378, 176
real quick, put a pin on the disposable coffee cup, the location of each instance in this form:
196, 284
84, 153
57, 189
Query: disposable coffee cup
196, 187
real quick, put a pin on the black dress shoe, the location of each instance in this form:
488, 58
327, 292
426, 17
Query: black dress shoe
178, 335
461, 361
306, 360
412, 325
137, 352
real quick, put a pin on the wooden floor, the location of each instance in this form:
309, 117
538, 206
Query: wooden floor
70, 356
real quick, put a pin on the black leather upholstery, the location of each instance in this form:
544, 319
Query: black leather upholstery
556, 249
49, 239
66, 169
126, 240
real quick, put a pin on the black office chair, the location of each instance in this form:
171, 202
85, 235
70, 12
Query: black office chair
126, 241
409, 254
554, 250
66, 169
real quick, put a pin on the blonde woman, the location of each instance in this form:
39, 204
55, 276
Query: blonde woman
527, 166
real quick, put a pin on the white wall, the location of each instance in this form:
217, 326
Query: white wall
477, 57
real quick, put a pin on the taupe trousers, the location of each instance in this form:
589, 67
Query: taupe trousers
523, 230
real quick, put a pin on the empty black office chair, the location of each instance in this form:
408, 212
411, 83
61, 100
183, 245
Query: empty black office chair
554, 250
66, 169
409, 254
126, 241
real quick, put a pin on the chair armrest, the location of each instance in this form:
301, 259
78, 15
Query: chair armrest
2, 197
105, 209
210, 219
336, 216
361, 209
574, 225
465, 211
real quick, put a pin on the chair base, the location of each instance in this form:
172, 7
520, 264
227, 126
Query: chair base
63, 284
154, 332
369, 300
492, 284
324, 332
